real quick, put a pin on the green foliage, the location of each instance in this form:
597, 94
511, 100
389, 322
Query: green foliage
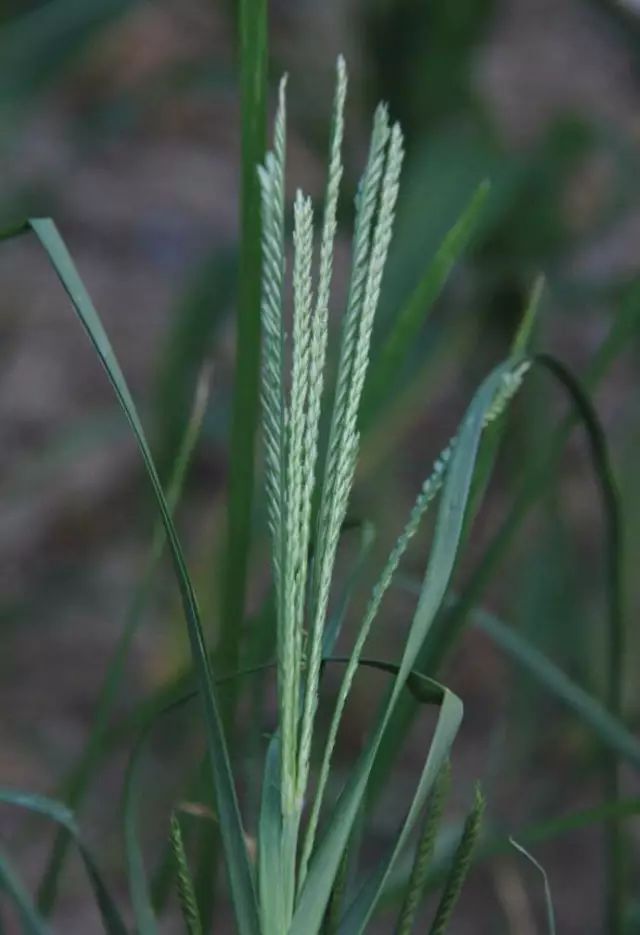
295, 875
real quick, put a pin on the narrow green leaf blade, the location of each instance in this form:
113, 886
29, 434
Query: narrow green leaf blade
361, 910
239, 869
588, 709
138, 885
245, 407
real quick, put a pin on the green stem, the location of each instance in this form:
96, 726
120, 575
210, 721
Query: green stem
245, 411
245, 408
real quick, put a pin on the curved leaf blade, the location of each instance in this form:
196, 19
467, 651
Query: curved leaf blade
237, 860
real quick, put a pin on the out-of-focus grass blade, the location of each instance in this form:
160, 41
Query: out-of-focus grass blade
32, 921
555, 827
44, 41
87, 763
60, 814
406, 328
494, 434
522, 340
196, 320
316, 890
335, 622
138, 886
609, 729
234, 564
551, 918
238, 866
616, 882
245, 413
141, 897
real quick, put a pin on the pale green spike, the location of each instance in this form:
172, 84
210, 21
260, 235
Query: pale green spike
273, 391
296, 555
347, 453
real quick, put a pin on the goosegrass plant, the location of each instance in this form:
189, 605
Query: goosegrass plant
291, 873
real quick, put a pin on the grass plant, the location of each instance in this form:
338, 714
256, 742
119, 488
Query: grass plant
292, 871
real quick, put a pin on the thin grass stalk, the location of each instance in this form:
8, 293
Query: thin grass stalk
551, 918
245, 411
252, 27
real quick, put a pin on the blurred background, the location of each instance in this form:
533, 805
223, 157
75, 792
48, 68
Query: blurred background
121, 120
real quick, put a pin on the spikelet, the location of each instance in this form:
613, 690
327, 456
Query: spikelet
338, 483
186, 893
424, 852
459, 868
274, 411
296, 545
271, 177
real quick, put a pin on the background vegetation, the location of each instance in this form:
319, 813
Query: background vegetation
123, 120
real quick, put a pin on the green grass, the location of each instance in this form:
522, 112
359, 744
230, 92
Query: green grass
298, 868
